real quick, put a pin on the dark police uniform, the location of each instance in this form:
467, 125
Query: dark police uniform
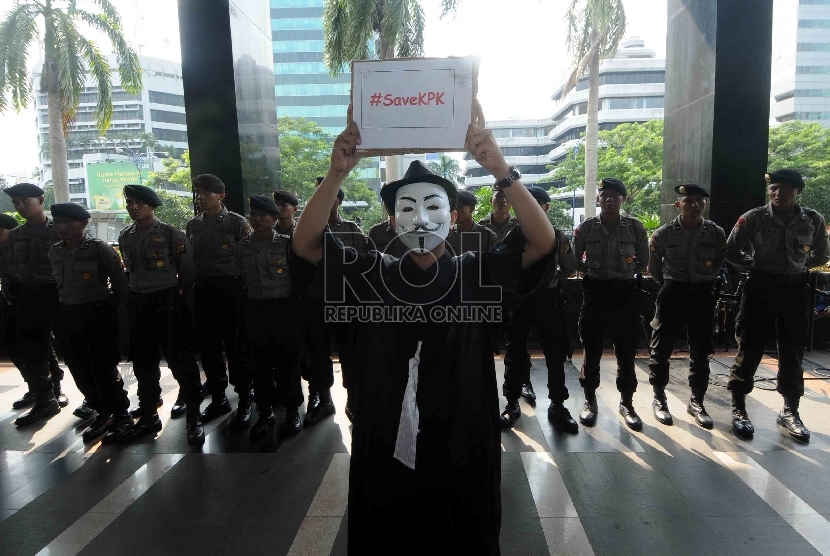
501, 230
217, 301
479, 239
775, 298
685, 263
384, 238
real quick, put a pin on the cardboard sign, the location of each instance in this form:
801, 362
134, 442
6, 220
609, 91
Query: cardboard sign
413, 105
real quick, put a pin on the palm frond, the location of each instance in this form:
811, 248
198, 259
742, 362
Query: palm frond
448, 7
580, 69
418, 25
614, 32
362, 26
18, 28
99, 69
108, 10
335, 29
129, 66
393, 27
69, 65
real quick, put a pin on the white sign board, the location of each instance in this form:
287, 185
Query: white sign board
413, 105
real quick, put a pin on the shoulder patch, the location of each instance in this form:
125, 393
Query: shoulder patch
181, 246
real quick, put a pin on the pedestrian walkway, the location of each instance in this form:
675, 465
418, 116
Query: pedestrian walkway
606, 490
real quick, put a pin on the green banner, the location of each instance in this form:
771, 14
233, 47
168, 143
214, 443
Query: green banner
105, 183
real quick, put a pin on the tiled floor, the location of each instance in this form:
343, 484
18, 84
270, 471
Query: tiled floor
606, 490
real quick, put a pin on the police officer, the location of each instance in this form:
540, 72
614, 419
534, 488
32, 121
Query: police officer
499, 220
11, 286
466, 235
37, 303
786, 240
687, 255
287, 202
88, 321
263, 258
159, 260
212, 235
615, 248
543, 310
384, 238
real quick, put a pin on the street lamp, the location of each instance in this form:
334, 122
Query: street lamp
135, 158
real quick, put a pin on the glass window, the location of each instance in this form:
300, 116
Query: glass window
170, 135
813, 47
166, 98
168, 117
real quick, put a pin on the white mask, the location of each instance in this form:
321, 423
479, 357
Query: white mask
422, 216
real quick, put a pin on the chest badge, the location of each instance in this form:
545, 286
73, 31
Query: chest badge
277, 261
806, 248
708, 263
224, 246
629, 260
158, 239
159, 263
86, 275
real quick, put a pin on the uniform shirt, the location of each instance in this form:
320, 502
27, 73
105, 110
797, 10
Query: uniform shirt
289, 233
157, 258
687, 255
501, 230
213, 238
82, 276
565, 260
8, 271
615, 254
350, 234
381, 235
779, 248
265, 266
30, 251
478, 239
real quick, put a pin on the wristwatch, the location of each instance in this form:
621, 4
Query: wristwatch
508, 180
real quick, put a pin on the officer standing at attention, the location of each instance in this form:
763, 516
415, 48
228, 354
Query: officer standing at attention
287, 202
37, 303
384, 238
500, 220
159, 260
615, 248
687, 255
85, 270
786, 240
212, 235
543, 311
466, 235
275, 350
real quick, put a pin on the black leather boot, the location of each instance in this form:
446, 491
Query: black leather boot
98, 428
561, 418
63, 401
179, 408
697, 411
216, 409
740, 418
660, 405
121, 427
243, 413
588, 415
293, 425
146, 425
137, 413
42, 409
263, 424
83, 411
28, 400
313, 401
510, 415
528, 393
632, 420
324, 408
791, 420
195, 430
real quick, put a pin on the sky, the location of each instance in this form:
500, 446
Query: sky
521, 44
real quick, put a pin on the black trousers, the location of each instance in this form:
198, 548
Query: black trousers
609, 305
160, 324
36, 311
93, 351
318, 368
693, 306
543, 313
275, 352
13, 350
771, 304
220, 333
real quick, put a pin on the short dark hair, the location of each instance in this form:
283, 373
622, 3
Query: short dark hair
319, 179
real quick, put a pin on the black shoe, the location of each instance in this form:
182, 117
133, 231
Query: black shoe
120, 428
137, 413
204, 391
63, 401
313, 401
632, 420
214, 410
263, 424
83, 411
660, 405
98, 428
243, 415
561, 418
740, 419
324, 408
510, 415
29, 399
348, 411
41, 410
179, 409
528, 393
293, 425
195, 432
697, 411
791, 420
588, 415
146, 425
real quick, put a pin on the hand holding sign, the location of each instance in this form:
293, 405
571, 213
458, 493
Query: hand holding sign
482, 145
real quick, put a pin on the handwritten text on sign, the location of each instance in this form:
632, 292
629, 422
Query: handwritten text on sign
392, 100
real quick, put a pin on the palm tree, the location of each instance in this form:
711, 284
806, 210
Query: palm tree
446, 167
595, 29
68, 57
375, 29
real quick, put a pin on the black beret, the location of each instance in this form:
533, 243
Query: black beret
418, 173
263, 203
143, 193
785, 176
286, 197
69, 210
467, 199
539, 194
612, 184
340, 194
209, 182
690, 189
7, 222
24, 190
318, 180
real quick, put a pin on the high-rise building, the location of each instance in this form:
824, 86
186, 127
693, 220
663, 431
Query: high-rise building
800, 87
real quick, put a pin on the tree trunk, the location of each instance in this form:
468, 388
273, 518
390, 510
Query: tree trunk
393, 170
591, 130
57, 140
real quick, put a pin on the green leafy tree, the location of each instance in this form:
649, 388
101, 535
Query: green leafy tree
446, 167
595, 29
804, 147
483, 207
176, 210
176, 173
48, 197
559, 215
68, 57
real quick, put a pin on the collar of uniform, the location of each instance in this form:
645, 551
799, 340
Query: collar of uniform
87, 242
222, 214
154, 227
769, 213
678, 225
623, 222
